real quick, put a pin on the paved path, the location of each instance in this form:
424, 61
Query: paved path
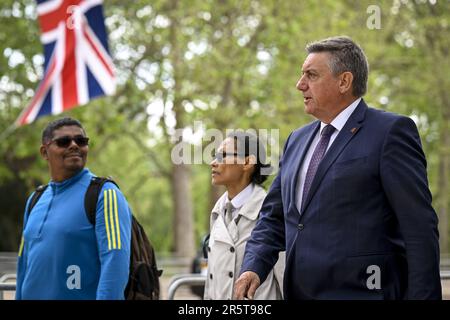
184, 292
8, 264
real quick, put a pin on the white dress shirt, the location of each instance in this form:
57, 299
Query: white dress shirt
338, 123
240, 199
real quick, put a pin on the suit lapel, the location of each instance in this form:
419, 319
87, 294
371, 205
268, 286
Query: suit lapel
351, 128
302, 147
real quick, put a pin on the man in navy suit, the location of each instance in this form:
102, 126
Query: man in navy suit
351, 204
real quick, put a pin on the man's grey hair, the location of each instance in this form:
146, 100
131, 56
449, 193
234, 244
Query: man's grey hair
345, 55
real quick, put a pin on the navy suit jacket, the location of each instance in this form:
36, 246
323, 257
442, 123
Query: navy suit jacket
369, 207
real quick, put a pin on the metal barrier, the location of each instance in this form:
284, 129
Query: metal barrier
184, 279
198, 279
445, 275
175, 283
7, 286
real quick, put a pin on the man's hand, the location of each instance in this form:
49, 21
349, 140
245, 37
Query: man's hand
246, 285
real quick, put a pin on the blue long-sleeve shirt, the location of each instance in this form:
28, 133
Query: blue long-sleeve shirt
64, 256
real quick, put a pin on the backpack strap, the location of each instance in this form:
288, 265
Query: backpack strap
35, 198
91, 196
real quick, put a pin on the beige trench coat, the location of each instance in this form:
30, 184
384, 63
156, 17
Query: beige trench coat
226, 252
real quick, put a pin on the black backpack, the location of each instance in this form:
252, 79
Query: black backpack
143, 280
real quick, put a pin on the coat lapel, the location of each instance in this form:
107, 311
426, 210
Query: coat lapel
351, 128
218, 228
237, 228
220, 231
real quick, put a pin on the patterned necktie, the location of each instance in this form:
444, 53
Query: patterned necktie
228, 215
317, 156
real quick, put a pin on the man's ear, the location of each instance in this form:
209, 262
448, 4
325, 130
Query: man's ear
346, 82
43, 151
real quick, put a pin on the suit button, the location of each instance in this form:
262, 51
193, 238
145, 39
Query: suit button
300, 226
230, 274
232, 249
210, 275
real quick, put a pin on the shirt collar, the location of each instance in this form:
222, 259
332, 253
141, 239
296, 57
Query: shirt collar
70, 181
339, 122
242, 197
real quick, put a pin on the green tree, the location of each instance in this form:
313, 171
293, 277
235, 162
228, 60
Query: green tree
228, 64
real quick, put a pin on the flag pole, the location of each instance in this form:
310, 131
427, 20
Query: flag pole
5, 134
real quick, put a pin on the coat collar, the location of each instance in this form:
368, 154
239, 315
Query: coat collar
68, 182
249, 210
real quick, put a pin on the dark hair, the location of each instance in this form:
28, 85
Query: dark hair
345, 55
249, 144
47, 134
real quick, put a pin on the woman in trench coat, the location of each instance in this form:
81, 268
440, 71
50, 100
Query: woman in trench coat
239, 165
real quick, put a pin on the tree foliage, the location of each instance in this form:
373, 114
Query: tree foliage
214, 64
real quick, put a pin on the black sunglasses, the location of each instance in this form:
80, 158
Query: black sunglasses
66, 141
222, 155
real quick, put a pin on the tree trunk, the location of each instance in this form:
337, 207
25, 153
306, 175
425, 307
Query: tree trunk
183, 219
443, 185
181, 173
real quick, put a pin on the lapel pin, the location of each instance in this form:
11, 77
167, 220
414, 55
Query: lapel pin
354, 130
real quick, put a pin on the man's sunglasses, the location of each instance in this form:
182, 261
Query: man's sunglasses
66, 141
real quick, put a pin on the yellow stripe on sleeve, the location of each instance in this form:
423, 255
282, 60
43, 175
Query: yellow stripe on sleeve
21, 246
105, 210
111, 219
117, 220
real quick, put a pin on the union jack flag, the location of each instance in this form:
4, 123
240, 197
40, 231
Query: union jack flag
77, 66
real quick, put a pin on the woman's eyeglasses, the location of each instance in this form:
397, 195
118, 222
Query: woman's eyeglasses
220, 156
66, 141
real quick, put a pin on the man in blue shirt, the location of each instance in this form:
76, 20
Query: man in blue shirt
62, 255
